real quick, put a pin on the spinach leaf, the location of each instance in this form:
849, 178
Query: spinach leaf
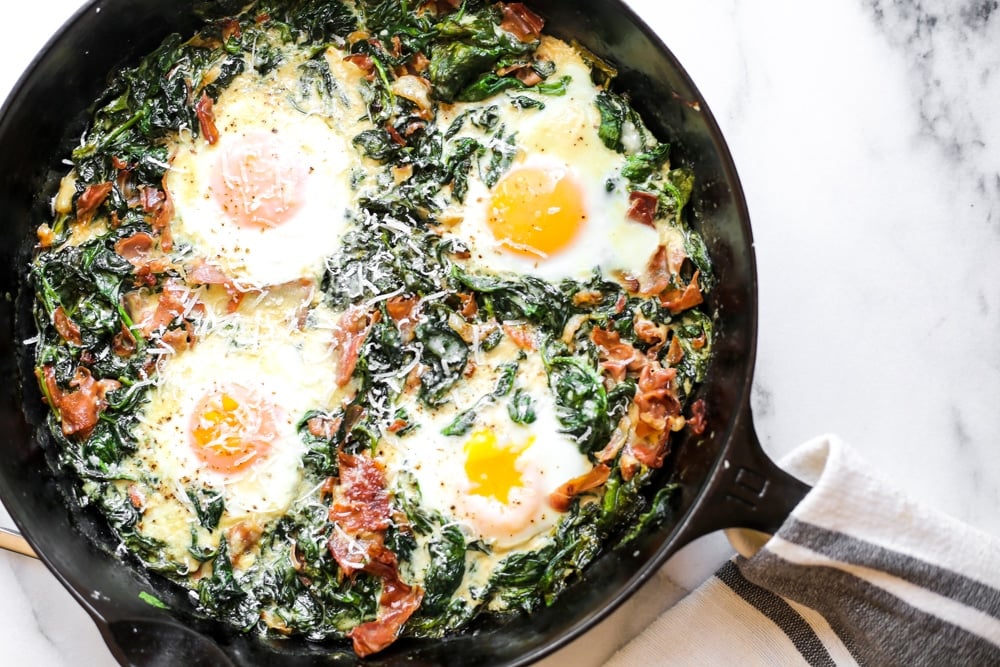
316, 82
455, 65
462, 422
199, 552
694, 333
581, 401
109, 443
376, 144
445, 355
502, 152
521, 408
142, 104
466, 53
505, 380
614, 113
660, 513
152, 600
491, 84
314, 21
524, 297
222, 595
514, 586
466, 418
407, 495
85, 283
320, 456
313, 595
446, 569
381, 254
641, 166
464, 153
525, 102
697, 252
208, 506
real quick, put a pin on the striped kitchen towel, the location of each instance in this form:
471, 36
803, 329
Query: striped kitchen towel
858, 574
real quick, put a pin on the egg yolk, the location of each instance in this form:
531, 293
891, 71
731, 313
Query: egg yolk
259, 180
536, 212
232, 428
491, 467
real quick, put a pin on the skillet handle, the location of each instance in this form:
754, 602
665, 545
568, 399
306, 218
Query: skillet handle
12, 541
149, 642
747, 490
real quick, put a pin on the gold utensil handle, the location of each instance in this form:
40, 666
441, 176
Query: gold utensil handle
11, 540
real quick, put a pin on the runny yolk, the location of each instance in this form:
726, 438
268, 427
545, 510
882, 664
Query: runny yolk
491, 467
536, 212
258, 180
232, 428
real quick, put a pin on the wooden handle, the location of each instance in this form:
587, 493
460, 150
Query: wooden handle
11, 540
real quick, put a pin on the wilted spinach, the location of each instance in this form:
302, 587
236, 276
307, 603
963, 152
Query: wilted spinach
395, 247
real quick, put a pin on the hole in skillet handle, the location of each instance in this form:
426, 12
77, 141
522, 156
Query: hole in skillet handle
746, 490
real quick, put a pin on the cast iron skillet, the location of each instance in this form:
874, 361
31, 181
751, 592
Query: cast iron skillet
726, 479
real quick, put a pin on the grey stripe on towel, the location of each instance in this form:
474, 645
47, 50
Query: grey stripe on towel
846, 549
781, 613
877, 627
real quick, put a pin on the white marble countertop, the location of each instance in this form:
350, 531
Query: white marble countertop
867, 137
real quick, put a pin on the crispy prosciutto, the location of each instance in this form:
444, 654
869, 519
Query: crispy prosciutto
521, 22
656, 409
657, 275
677, 301
443, 6
66, 327
139, 250
405, 312
523, 72
89, 201
362, 503
159, 209
172, 302
696, 422
396, 604
642, 207
617, 357
203, 273
206, 118
324, 427
469, 305
658, 414
562, 498
348, 336
136, 248
651, 452
80, 408
655, 399
124, 343
171, 305
521, 335
402, 310
363, 62
360, 513
662, 277
230, 29
650, 332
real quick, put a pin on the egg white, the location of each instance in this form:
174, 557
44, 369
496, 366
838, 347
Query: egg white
260, 349
437, 461
307, 137
560, 138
